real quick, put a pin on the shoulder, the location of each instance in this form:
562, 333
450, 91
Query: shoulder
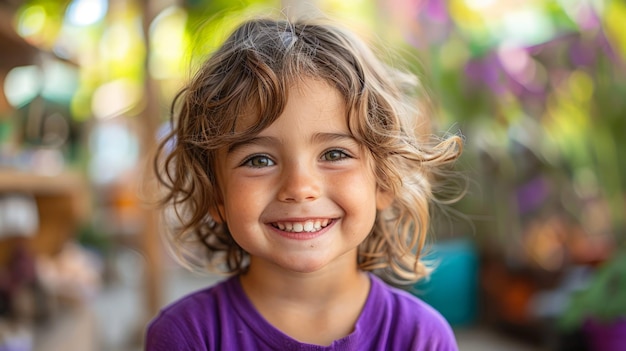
410, 307
410, 319
187, 323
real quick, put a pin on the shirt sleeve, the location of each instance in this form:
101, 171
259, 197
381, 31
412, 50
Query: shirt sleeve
443, 341
163, 334
439, 335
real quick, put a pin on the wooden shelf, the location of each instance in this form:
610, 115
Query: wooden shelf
62, 203
22, 181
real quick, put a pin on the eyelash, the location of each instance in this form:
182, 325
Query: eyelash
342, 154
248, 162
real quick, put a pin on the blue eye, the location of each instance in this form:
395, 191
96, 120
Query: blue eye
334, 155
258, 161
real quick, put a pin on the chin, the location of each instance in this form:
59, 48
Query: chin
305, 269
303, 265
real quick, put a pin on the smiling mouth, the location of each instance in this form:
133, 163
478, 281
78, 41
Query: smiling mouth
310, 226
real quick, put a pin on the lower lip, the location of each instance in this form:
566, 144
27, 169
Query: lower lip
303, 235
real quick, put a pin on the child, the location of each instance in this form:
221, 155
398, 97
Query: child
296, 166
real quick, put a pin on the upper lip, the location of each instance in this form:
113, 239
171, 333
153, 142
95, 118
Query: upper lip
299, 219
307, 225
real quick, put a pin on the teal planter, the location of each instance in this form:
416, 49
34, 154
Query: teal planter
453, 287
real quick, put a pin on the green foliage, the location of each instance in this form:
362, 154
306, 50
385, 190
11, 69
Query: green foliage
604, 299
90, 236
210, 22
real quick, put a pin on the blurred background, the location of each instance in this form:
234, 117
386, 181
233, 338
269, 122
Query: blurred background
531, 259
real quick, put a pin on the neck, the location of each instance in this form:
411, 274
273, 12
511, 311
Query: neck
267, 281
328, 301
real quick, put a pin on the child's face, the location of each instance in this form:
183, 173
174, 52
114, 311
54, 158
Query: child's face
302, 194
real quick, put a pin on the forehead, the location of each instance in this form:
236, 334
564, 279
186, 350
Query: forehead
314, 104
304, 95
314, 92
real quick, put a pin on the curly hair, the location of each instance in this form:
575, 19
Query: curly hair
250, 75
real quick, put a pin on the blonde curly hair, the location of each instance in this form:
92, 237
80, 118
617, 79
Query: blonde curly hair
251, 73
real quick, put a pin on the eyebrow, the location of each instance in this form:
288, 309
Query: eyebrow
267, 140
258, 140
326, 137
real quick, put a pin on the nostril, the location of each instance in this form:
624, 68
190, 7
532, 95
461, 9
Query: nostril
299, 183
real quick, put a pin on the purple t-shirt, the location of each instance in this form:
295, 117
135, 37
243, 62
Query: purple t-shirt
222, 317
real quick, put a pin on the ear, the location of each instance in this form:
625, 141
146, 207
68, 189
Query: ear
217, 213
384, 198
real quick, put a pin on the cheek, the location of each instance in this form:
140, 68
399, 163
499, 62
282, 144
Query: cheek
358, 186
237, 199
364, 176
243, 200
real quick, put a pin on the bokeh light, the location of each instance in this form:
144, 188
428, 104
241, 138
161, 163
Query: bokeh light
22, 84
86, 12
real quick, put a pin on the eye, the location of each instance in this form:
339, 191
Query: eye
258, 161
334, 155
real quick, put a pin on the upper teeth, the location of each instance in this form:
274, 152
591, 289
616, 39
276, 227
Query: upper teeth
298, 227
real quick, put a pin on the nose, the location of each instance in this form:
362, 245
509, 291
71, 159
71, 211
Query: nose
299, 183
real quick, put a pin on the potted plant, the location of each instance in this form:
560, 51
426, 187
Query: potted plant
599, 310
